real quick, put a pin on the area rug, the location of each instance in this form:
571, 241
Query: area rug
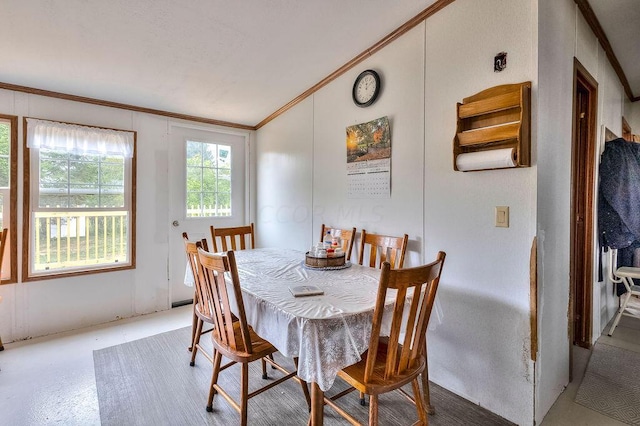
611, 384
149, 382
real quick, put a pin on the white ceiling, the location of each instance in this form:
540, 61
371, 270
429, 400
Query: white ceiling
236, 61
620, 20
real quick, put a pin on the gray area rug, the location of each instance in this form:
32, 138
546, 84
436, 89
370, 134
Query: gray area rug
149, 382
611, 383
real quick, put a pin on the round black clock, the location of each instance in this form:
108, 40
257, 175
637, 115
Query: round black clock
366, 88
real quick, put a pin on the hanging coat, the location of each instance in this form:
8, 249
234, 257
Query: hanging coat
619, 199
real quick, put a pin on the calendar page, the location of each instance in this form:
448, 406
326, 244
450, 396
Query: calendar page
369, 160
369, 179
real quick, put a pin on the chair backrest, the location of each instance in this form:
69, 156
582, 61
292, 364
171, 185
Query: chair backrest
191, 249
413, 325
214, 267
383, 248
233, 238
347, 236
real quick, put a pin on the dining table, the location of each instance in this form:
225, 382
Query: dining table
326, 332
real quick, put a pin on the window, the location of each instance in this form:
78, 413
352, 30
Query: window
82, 198
8, 194
208, 179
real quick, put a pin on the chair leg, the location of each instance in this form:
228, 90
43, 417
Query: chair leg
244, 391
422, 413
264, 369
196, 341
623, 306
373, 410
194, 323
214, 379
305, 389
425, 384
1, 345
363, 401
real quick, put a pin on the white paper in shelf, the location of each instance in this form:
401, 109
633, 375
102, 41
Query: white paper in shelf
494, 159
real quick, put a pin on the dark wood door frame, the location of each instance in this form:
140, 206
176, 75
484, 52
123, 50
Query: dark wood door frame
583, 152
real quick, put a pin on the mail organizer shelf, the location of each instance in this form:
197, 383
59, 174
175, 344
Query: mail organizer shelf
493, 129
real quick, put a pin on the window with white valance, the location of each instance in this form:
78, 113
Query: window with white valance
82, 195
76, 139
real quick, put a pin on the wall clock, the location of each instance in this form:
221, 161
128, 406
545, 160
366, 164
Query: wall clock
366, 88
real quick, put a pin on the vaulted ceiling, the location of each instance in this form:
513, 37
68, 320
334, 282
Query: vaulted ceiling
235, 61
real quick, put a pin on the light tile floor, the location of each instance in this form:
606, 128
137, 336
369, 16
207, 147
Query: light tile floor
50, 380
565, 411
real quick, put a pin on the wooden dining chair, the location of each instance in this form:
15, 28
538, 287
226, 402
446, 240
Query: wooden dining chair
346, 235
382, 248
234, 238
235, 340
201, 315
394, 361
3, 240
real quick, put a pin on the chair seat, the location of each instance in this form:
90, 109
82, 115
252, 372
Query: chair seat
628, 271
377, 384
261, 347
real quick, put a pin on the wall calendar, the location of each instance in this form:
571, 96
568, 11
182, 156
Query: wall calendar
369, 159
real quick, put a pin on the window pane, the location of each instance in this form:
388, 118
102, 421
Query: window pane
76, 240
5, 139
224, 180
112, 174
224, 203
4, 171
210, 157
224, 156
77, 181
209, 179
194, 179
83, 172
208, 173
194, 154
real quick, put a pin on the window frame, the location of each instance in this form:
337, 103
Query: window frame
12, 242
30, 201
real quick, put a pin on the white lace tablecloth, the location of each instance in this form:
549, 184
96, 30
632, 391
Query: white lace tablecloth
327, 332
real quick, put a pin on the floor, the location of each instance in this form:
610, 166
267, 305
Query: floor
567, 412
51, 380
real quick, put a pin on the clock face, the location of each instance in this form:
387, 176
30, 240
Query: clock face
366, 88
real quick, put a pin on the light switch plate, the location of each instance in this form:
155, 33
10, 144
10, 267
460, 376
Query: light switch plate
502, 216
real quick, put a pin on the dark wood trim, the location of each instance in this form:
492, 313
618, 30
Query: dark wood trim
584, 78
26, 201
626, 130
13, 198
26, 213
593, 22
118, 105
533, 298
385, 41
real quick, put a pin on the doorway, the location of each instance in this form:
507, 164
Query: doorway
585, 101
207, 175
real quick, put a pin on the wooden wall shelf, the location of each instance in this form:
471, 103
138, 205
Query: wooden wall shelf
496, 118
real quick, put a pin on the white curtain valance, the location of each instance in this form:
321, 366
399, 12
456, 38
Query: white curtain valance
77, 139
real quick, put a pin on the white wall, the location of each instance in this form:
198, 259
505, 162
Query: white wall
632, 115
49, 306
563, 35
480, 348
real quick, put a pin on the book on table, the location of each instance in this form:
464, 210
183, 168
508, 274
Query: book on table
306, 290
